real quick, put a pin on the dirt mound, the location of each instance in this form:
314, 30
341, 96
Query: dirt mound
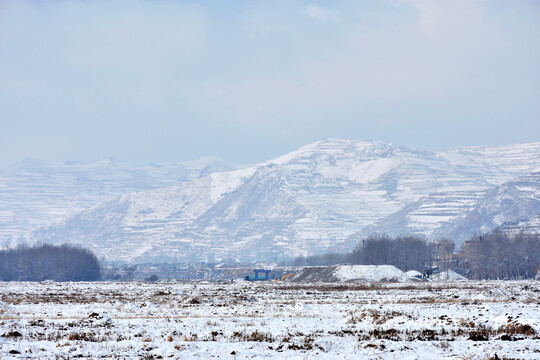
349, 273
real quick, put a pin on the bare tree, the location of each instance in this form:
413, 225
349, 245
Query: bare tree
48, 262
502, 256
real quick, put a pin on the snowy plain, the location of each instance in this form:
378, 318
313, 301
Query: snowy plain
267, 320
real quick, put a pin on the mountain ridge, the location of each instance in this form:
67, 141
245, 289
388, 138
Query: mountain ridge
36, 193
318, 198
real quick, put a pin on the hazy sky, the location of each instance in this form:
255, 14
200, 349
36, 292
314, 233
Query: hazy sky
161, 81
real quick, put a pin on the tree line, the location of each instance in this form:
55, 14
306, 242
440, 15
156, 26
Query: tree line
501, 256
491, 256
49, 262
404, 252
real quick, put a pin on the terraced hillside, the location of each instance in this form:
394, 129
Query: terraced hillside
37, 193
321, 197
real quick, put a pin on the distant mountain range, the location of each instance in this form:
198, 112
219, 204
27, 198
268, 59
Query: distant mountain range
324, 196
37, 193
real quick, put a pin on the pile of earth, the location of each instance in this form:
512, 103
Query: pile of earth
349, 273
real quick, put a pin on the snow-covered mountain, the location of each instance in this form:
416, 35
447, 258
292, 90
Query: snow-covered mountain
321, 197
513, 206
37, 193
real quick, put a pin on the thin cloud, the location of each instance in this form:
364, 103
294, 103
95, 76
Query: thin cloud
187, 72
320, 12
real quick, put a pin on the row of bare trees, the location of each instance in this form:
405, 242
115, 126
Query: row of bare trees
49, 262
502, 256
492, 256
404, 252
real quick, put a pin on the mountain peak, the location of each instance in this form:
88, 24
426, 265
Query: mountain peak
332, 148
321, 196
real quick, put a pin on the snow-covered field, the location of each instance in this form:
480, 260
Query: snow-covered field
241, 320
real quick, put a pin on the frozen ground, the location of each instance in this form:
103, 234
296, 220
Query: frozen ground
453, 320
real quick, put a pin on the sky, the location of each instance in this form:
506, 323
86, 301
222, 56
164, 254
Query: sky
150, 81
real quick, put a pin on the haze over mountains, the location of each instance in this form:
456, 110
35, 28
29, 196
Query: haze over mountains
324, 196
37, 193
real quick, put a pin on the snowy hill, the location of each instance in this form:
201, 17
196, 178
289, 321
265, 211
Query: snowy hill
320, 197
448, 275
515, 201
530, 226
349, 273
37, 193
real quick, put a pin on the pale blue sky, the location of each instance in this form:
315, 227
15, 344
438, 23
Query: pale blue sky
162, 81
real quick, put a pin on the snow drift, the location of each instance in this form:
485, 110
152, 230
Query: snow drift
448, 275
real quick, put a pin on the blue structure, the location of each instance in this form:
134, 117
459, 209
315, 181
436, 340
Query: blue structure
260, 275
